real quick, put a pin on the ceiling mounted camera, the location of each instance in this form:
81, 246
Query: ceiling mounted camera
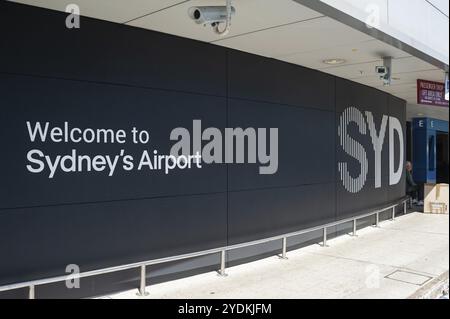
381, 71
385, 71
215, 16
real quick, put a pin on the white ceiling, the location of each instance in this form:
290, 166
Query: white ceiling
281, 29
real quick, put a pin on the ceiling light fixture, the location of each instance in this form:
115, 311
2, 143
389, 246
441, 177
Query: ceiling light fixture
334, 61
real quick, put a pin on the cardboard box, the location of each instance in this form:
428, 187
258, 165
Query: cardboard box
436, 199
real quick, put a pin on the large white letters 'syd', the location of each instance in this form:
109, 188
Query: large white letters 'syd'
356, 150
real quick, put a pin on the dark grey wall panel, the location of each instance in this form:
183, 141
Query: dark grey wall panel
306, 151
263, 213
351, 94
89, 105
349, 204
262, 79
42, 241
36, 41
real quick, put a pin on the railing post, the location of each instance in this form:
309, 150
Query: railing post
31, 292
393, 213
143, 283
354, 228
324, 243
284, 249
222, 263
377, 220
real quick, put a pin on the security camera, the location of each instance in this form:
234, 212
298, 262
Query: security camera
212, 15
381, 71
385, 71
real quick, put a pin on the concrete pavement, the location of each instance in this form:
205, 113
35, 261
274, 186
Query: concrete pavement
396, 260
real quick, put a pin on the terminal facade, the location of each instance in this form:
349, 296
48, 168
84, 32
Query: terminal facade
341, 148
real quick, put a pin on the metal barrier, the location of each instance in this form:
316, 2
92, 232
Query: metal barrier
222, 250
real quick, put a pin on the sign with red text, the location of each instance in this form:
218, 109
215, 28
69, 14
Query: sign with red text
431, 93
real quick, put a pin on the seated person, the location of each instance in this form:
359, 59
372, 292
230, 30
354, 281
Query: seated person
412, 189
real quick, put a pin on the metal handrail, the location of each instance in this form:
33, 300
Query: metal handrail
142, 265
